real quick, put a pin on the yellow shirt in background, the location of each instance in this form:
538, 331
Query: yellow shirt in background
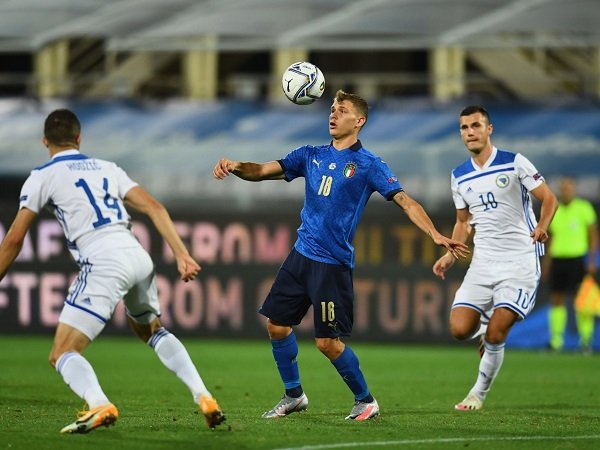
569, 229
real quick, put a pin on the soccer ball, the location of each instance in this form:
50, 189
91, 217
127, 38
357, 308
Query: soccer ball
303, 83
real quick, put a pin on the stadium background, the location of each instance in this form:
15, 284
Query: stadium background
167, 88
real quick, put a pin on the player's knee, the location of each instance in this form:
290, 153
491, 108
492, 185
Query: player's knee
496, 337
145, 331
332, 348
277, 331
461, 331
323, 345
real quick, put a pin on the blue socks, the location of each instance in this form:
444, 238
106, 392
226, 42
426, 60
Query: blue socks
348, 367
285, 351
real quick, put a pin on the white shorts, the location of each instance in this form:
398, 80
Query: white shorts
500, 284
105, 277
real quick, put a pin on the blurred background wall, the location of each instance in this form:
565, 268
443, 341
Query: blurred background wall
167, 88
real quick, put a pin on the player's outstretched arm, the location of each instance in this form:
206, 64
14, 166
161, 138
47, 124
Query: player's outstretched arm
547, 210
143, 202
248, 171
13, 241
419, 217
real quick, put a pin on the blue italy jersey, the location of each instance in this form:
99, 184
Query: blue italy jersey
338, 186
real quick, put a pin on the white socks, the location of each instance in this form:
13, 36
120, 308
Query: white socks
81, 378
79, 374
489, 367
175, 357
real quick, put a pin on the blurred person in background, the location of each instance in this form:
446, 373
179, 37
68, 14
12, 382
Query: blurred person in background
339, 177
572, 254
492, 195
88, 197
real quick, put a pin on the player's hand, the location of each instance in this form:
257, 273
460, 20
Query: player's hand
223, 168
188, 268
539, 235
442, 265
455, 248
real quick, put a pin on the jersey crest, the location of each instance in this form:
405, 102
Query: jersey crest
350, 169
502, 180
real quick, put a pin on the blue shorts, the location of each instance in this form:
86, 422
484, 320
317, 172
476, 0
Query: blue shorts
302, 282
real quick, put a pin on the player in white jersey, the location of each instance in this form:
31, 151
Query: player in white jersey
491, 192
88, 197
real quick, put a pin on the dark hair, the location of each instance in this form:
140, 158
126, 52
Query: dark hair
62, 128
359, 103
475, 109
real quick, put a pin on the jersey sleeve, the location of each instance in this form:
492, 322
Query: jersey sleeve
528, 174
125, 183
33, 195
459, 201
383, 180
294, 163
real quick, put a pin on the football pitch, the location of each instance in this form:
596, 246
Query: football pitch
539, 401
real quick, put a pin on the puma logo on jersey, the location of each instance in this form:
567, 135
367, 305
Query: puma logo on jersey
316, 163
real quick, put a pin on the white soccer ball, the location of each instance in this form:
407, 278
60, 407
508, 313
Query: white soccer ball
303, 83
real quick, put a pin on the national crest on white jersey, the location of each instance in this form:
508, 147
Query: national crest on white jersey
502, 180
499, 202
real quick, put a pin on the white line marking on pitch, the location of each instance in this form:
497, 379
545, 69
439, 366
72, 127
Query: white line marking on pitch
441, 441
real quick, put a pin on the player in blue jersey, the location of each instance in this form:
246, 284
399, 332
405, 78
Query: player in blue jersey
339, 177
88, 197
491, 192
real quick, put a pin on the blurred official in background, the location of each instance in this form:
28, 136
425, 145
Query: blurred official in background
573, 252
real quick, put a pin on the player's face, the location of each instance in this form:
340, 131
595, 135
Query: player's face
475, 132
344, 120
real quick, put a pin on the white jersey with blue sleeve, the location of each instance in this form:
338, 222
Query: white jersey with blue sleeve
499, 202
85, 194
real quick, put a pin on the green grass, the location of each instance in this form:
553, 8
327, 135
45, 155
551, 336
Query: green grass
540, 400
